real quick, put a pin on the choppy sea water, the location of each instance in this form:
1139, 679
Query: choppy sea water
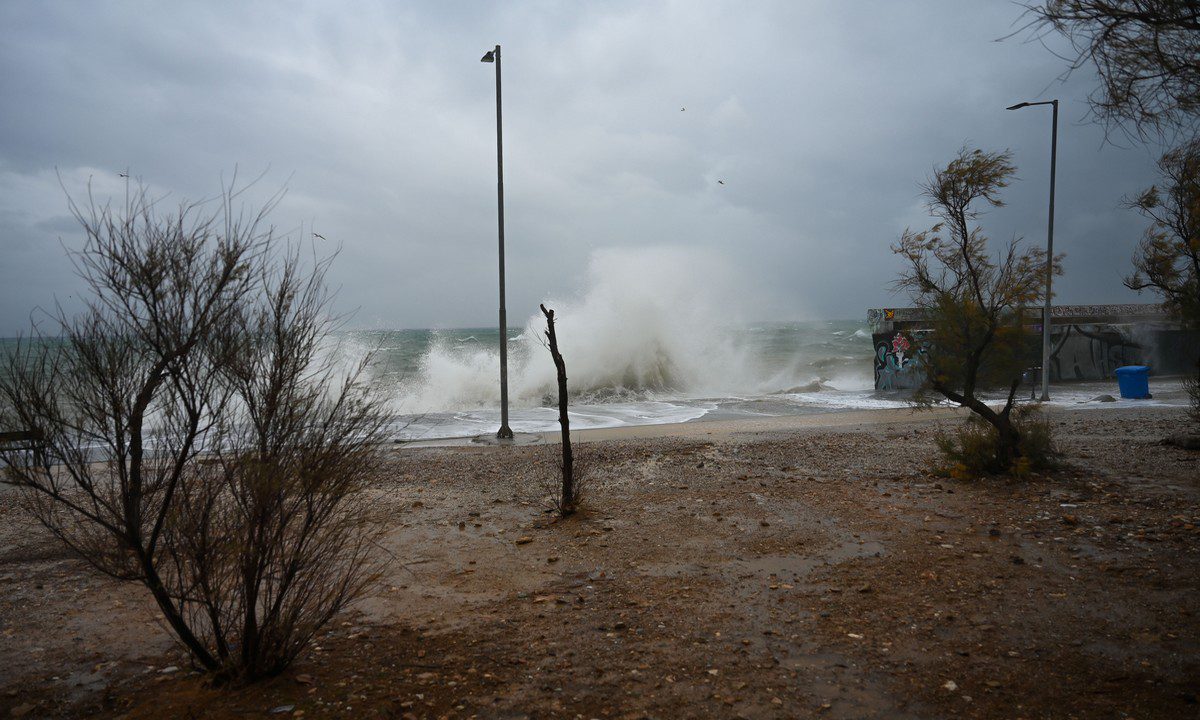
652, 335
445, 383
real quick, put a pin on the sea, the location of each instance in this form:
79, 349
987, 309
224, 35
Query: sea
446, 383
653, 335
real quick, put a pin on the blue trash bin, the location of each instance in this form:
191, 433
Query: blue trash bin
1134, 381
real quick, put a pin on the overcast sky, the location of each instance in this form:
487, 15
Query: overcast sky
619, 120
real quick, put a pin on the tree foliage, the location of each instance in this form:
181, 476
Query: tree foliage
193, 436
1146, 53
975, 302
1167, 260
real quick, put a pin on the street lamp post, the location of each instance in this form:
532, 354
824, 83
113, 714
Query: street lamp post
1049, 245
505, 433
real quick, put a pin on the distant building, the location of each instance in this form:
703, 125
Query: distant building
1087, 342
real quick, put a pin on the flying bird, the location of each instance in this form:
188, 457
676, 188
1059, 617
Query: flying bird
682, 109
720, 182
319, 235
124, 175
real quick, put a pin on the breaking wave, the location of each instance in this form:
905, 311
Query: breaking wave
657, 323
649, 322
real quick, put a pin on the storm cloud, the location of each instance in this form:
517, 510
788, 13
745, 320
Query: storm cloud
785, 138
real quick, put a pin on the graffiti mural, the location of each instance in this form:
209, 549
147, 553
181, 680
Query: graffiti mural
1087, 343
898, 361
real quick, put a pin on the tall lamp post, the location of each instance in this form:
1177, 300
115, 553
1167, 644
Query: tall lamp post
505, 433
1049, 246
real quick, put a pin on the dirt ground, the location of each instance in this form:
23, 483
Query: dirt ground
818, 572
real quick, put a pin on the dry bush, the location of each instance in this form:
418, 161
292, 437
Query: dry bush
194, 436
974, 449
550, 486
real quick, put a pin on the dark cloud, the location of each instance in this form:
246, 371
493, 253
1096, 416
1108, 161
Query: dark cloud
819, 119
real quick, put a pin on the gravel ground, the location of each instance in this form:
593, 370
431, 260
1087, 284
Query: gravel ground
817, 571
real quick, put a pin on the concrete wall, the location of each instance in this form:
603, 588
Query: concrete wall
899, 360
1088, 342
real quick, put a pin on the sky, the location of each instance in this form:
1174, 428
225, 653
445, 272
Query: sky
785, 139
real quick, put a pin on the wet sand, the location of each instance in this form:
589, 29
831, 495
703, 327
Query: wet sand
780, 567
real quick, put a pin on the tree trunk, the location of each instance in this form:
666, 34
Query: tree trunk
1009, 447
174, 616
568, 472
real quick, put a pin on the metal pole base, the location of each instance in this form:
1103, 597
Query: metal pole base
505, 433
1045, 397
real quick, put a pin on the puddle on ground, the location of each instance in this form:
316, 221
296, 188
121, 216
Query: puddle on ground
798, 566
789, 566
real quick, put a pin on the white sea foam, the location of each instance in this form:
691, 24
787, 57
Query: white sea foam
652, 336
545, 419
650, 322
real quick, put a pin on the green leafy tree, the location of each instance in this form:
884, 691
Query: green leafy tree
1167, 260
975, 301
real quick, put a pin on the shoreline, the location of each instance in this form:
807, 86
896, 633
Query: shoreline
725, 427
701, 427
764, 413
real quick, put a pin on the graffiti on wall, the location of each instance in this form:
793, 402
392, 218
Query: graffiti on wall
1088, 342
898, 361
876, 317
1078, 352
1093, 352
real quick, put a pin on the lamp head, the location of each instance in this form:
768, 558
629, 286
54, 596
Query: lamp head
1018, 106
489, 56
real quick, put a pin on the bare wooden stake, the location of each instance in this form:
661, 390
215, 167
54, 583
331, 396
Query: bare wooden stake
568, 476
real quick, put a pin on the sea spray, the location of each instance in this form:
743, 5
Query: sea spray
654, 335
649, 322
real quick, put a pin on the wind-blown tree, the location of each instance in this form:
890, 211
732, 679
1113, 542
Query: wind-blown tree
1167, 260
1146, 53
192, 436
975, 301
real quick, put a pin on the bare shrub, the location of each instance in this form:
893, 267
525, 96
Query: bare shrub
194, 438
550, 488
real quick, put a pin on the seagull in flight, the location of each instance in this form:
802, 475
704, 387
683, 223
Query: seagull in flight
319, 235
720, 182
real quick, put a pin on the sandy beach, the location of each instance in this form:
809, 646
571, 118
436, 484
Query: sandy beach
784, 567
